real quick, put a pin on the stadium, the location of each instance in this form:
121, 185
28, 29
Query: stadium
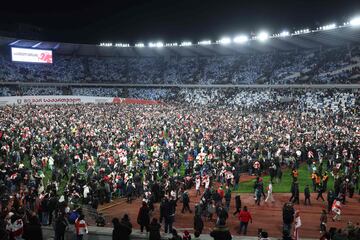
254, 136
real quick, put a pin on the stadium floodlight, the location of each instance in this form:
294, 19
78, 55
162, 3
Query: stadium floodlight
328, 27
123, 45
284, 34
355, 21
139, 45
185, 44
240, 39
105, 44
263, 36
156, 44
171, 44
224, 40
205, 42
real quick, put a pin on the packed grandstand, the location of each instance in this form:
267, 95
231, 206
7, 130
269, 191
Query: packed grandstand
229, 120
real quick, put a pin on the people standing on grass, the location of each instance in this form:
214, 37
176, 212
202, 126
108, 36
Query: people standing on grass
245, 218
109, 160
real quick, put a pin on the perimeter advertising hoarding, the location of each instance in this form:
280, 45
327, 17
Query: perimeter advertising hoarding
31, 55
66, 99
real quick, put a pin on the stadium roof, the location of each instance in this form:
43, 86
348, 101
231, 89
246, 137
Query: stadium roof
314, 39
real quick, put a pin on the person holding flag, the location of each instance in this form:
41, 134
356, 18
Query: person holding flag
336, 209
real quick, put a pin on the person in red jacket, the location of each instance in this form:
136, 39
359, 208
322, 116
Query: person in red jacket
244, 217
221, 192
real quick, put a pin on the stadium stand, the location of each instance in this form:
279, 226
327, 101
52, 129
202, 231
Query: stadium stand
333, 65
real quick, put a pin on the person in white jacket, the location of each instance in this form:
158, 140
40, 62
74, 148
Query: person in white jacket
85, 193
270, 194
297, 225
197, 185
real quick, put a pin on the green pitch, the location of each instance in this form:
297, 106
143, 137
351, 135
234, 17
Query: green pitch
285, 185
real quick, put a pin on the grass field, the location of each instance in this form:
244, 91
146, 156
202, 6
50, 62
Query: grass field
285, 185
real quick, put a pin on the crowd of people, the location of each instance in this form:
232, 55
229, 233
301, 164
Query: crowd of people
327, 65
55, 158
302, 99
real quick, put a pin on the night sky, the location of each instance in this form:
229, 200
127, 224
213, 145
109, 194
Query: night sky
132, 21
